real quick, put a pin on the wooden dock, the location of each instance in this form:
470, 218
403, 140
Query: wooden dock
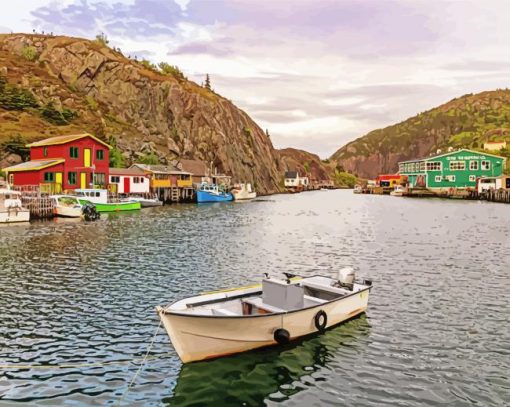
37, 201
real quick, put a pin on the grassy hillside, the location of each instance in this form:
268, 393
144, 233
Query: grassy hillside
468, 121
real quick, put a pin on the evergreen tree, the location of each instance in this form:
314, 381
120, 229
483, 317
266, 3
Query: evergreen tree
207, 82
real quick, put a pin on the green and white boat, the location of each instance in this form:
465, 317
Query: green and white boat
99, 197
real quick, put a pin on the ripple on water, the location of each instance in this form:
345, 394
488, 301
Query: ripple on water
436, 332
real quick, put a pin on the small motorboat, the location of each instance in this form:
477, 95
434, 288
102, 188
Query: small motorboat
275, 312
213, 193
67, 206
358, 189
11, 209
399, 190
99, 197
243, 192
146, 202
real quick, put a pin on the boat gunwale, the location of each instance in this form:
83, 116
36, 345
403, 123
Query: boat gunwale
165, 311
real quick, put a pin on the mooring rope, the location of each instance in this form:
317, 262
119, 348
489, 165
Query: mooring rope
141, 364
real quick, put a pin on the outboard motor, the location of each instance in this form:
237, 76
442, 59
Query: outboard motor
346, 277
90, 212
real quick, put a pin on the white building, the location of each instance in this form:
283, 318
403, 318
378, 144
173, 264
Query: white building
129, 181
494, 145
293, 180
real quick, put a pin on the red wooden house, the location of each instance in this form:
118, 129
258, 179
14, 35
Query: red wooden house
64, 162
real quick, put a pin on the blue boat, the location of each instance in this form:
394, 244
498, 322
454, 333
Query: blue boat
213, 193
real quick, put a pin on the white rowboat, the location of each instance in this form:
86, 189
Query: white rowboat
276, 312
11, 209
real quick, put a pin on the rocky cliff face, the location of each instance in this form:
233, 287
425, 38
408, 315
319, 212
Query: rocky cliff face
305, 163
465, 122
141, 110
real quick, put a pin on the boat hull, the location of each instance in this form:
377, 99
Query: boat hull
114, 207
244, 196
206, 196
68, 212
14, 215
197, 337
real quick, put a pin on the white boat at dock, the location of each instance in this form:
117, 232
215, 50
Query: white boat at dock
67, 206
243, 192
11, 209
274, 312
146, 202
358, 189
399, 190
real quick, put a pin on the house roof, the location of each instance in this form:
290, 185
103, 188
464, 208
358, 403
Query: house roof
195, 167
291, 174
133, 171
33, 165
161, 169
433, 157
65, 139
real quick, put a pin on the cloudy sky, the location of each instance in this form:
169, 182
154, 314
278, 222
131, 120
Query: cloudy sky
316, 73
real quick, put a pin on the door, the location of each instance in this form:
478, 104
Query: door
127, 185
86, 157
58, 182
83, 180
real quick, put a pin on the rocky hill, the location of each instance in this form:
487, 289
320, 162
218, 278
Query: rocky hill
316, 169
468, 121
60, 85
304, 162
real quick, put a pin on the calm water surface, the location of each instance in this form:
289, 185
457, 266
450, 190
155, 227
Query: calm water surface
436, 332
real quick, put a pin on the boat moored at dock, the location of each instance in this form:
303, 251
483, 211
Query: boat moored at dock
243, 192
399, 190
67, 206
274, 312
11, 209
99, 197
146, 202
213, 193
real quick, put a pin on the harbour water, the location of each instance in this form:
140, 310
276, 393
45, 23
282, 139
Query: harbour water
437, 330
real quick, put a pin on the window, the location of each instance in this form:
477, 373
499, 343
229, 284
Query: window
486, 165
450, 178
472, 178
45, 151
11, 179
401, 168
114, 179
136, 180
99, 179
99, 154
71, 178
49, 177
422, 166
437, 178
473, 165
434, 166
457, 165
73, 152
141, 180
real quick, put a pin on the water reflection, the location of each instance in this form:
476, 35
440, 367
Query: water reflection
273, 374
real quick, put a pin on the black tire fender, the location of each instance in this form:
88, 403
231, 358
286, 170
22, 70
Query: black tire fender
321, 320
282, 336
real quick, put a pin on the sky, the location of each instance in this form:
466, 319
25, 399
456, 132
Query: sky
315, 73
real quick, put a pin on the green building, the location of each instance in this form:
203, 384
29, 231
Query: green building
455, 169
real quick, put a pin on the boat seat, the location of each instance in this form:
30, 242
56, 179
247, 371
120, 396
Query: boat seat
257, 302
324, 287
315, 299
223, 312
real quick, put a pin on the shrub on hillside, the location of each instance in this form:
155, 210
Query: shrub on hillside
30, 53
150, 159
55, 116
13, 98
102, 39
173, 70
16, 145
